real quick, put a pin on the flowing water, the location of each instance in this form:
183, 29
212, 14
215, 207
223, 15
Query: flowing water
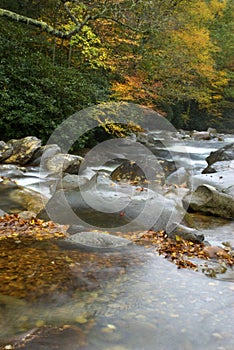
151, 306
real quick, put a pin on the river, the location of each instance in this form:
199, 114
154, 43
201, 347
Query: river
151, 306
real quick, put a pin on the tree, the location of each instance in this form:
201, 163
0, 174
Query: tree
177, 59
162, 53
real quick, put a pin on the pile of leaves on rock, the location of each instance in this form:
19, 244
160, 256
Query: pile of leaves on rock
183, 253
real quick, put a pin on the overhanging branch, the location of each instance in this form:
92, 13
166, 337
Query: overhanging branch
43, 25
55, 32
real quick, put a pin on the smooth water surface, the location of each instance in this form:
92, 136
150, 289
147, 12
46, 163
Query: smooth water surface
151, 306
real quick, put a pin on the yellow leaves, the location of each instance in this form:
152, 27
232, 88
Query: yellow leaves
205, 11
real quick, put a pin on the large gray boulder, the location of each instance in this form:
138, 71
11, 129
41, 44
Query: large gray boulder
105, 204
208, 200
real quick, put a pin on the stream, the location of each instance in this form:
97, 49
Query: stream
152, 305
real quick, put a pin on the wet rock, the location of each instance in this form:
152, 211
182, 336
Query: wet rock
220, 166
208, 200
63, 163
147, 170
6, 150
31, 200
214, 252
225, 153
103, 203
187, 233
214, 269
23, 150
70, 182
17, 198
11, 171
222, 181
201, 135
47, 151
128, 171
93, 241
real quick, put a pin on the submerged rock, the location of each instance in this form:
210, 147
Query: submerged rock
93, 241
17, 198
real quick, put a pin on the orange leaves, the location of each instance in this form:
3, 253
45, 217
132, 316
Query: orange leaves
135, 88
178, 250
14, 227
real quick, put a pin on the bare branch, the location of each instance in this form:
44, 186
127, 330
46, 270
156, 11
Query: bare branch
43, 25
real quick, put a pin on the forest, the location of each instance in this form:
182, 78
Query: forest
58, 57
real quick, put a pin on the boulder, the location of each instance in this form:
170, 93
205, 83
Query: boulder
63, 163
47, 151
225, 153
211, 133
22, 150
144, 171
214, 252
208, 200
103, 203
201, 135
128, 171
225, 165
222, 181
